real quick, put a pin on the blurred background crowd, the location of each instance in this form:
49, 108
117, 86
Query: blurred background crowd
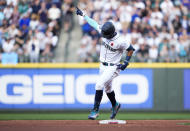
158, 29
31, 30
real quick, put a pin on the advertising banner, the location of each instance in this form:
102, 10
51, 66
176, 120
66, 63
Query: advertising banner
71, 89
186, 89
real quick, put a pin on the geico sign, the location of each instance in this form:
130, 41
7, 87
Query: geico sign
48, 89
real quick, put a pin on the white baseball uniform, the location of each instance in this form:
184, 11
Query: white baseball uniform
111, 52
110, 55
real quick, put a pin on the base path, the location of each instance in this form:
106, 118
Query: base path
90, 125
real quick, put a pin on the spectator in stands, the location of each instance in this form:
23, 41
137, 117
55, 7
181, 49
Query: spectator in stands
43, 13
40, 36
173, 55
33, 49
24, 21
142, 53
19, 39
2, 16
12, 2
34, 22
47, 52
183, 49
156, 18
125, 12
8, 11
167, 7
54, 13
13, 31
164, 50
177, 24
15, 16
23, 6
153, 53
42, 26
36, 6
8, 45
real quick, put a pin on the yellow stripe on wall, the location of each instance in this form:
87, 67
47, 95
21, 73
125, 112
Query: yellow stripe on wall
159, 65
52, 65
94, 65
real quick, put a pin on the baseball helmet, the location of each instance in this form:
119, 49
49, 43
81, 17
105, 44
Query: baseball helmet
108, 30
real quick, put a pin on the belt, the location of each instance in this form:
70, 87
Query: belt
108, 64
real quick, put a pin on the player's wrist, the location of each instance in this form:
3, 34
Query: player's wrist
125, 61
128, 58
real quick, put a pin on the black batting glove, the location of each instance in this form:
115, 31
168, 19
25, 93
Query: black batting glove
79, 12
123, 66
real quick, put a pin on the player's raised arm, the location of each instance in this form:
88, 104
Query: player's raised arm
90, 21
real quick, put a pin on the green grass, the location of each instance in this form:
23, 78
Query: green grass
103, 115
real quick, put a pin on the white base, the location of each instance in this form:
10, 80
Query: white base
112, 122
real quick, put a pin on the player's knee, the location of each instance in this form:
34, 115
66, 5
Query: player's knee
99, 87
108, 90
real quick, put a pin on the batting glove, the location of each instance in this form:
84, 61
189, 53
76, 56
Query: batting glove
79, 12
123, 66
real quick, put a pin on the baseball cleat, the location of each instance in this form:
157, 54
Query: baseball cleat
93, 115
115, 109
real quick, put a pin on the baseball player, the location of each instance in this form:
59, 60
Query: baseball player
111, 51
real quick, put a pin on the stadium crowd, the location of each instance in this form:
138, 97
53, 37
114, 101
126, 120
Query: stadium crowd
158, 29
30, 28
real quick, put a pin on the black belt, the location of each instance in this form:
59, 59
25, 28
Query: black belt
108, 64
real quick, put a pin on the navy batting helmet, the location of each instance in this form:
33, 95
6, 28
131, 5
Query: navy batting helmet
108, 30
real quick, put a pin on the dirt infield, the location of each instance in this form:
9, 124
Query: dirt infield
88, 125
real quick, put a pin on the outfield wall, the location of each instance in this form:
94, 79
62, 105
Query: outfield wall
154, 87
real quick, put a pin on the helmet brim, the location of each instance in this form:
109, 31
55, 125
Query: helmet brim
108, 36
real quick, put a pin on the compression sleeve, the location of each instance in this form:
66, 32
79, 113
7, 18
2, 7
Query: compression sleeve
92, 22
130, 48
